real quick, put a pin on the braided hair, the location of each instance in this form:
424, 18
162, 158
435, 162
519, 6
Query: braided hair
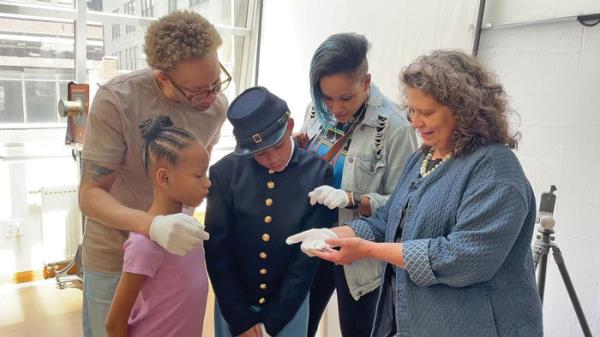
163, 141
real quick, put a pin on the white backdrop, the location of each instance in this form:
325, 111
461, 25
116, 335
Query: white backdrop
499, 12
550, 71
399, 31
552, 74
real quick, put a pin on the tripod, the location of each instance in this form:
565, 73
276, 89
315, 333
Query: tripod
543, 243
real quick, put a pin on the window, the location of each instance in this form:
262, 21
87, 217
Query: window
129, 9
147, 8
130, 61
31, 97
37, 53
38, 59
116, 31
121, 62
116, 28
39, 96
11, 101
172, 5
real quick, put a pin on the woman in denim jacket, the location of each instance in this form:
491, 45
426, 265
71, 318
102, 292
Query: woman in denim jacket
455, 235
375, 141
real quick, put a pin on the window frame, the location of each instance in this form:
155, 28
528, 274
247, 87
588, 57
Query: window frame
147, 8
172, 6
243, 70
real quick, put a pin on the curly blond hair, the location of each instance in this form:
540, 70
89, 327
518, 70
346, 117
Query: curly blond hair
478, 102
179, 36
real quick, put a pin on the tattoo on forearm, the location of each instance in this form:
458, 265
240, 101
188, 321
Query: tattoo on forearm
94, 172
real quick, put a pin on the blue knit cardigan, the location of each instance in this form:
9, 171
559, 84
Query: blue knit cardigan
466, 245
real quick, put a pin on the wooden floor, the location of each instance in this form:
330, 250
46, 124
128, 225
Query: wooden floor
40, 309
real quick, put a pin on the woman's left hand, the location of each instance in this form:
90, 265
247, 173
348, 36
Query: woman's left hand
350, 250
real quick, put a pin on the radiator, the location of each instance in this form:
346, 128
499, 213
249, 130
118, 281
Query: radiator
61, 223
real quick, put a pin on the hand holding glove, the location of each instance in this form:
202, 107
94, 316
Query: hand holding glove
329, 196
312, 239
177, 233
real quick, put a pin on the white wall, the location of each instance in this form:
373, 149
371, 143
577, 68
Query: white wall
551, 72
399, 31
499, 12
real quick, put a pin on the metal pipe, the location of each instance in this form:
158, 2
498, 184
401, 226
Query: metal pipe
478, 27
489, 26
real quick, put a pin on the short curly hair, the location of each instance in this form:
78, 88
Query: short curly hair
179, 36
478, 102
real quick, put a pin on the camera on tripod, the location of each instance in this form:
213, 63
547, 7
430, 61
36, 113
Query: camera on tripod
547, 203
543, 244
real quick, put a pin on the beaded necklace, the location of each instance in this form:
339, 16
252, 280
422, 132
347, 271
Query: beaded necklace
423, 172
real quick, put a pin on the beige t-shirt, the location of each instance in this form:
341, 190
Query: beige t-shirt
113, 136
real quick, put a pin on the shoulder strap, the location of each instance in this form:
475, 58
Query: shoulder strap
340, 143
335, 148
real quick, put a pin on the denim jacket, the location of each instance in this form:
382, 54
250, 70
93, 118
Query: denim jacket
380, 145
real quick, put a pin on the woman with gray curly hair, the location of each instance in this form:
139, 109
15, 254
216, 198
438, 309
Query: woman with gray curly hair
455, 235
184, 82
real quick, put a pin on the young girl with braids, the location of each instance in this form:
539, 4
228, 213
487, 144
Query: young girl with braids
163, 294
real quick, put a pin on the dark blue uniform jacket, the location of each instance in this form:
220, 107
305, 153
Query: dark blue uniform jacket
250, 212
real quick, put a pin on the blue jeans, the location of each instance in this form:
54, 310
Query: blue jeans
298, 326
98, 291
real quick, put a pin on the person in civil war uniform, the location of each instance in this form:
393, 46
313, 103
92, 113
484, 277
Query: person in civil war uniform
258, 198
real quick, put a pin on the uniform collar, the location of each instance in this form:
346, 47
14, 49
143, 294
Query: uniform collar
291, 161
292, 155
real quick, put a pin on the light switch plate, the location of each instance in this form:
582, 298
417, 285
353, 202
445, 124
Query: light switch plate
12, 228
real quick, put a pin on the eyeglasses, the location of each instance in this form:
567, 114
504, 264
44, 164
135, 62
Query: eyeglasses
411, 113
213, 89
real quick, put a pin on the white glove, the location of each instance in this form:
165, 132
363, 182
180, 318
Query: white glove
329, 196
312, 239
177, 233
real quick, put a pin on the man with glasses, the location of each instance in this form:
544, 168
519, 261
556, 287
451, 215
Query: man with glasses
185, 82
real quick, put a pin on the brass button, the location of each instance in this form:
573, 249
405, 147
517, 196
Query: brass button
270, 185
262, 255
271, 171
266, 237
269, 202
263, 271
261, 300
268, 219
263, 286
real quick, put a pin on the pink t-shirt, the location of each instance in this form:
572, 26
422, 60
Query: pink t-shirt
172, 301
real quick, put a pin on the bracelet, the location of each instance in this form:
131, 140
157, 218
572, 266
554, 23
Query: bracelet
352, 204
357, 199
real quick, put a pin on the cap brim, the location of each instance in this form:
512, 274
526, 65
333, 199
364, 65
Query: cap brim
266, 143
